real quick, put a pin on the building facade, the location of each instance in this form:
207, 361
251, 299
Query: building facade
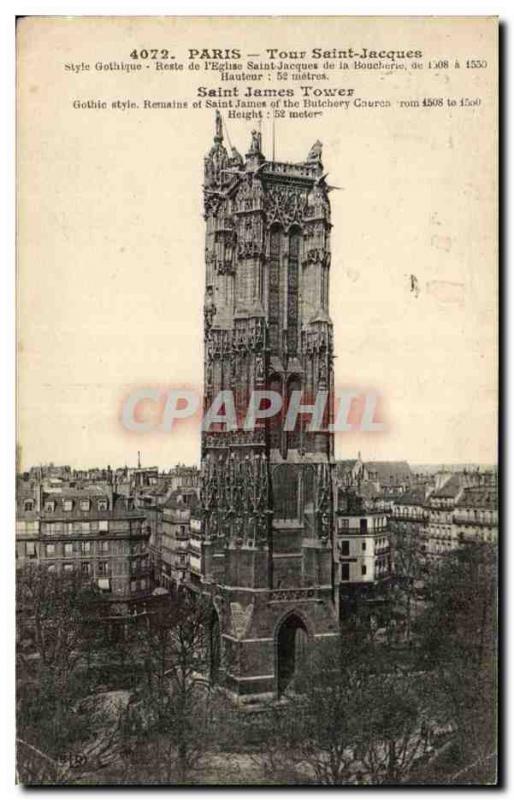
461, 508
96, 535
364, 550
175, 537
440, 535
408, 522
267, 539
475, 518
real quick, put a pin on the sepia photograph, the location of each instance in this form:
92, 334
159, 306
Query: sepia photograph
257, 512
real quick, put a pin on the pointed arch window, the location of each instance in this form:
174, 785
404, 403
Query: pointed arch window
274, 288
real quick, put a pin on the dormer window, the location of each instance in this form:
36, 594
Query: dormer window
28, 505
50, 506
85, 505
68, 505
102, 505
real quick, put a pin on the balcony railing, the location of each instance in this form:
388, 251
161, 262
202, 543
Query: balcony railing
409, 517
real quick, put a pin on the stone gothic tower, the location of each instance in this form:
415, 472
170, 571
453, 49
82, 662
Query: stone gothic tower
267, 506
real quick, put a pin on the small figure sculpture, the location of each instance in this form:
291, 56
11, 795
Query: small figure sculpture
255, 146
315, 152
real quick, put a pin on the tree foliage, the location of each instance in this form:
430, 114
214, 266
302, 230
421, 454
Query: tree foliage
458, 636
172, 708
57, 736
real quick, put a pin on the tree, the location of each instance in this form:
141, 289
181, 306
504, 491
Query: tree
172, 707
51, 618
327, 717
270, 736
458, 632
405, 540
395, 731
311, 735
56, 738
354, 716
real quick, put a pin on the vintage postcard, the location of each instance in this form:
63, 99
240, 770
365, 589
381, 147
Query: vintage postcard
257, 401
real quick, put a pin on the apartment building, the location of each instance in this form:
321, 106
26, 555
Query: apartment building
95, 534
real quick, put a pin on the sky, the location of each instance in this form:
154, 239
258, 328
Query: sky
110, 248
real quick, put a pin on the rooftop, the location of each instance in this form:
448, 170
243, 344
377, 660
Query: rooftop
449, 490
390, 472
414, 497
480, 497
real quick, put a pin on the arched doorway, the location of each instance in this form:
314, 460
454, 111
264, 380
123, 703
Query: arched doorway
291, 650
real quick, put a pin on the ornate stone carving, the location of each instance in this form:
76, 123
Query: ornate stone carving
224, 266
315, 255
322, 374
323, 501
285, 204
259, 370
235, 497
249, 195
250, 249
208, 377
240, 617
249, 336
315, 227
250, 237
287, 595
318, 206
239, 438
212, 202
317, 341
209, 309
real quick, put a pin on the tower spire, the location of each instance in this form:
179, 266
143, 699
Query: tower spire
218, 136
